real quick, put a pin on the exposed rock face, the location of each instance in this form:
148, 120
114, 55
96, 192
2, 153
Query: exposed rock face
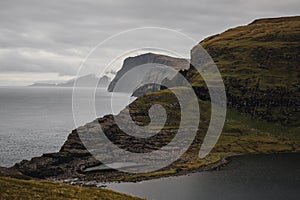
152, 60
66, 163
75, 161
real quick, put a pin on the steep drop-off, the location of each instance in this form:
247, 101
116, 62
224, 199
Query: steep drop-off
260, 66
146, 61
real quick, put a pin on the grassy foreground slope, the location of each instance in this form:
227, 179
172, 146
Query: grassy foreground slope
11, 188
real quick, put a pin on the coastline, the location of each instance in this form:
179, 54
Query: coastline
95, 187
211, 167
14, 173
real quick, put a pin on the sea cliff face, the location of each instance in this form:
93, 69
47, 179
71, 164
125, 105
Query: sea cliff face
260, 67
148, 60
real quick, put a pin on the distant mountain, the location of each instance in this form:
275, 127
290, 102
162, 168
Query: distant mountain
151, 69
84, 81
42, 85
104, 81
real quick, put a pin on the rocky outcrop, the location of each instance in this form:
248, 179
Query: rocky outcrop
65, 163
75, 161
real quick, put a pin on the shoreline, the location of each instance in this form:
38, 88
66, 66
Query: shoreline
211, 167
100, 185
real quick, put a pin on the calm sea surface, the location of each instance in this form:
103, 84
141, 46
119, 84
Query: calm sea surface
37, 120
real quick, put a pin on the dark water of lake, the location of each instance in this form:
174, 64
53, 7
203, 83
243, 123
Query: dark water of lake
37, 120
251, 177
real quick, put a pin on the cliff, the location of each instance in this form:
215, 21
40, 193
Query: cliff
260, 67
149, 62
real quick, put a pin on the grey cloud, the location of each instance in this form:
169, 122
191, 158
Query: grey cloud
27, 60
70, 28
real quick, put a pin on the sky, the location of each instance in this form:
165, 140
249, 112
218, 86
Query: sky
47, 41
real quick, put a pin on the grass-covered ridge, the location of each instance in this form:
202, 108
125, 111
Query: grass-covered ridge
260, 65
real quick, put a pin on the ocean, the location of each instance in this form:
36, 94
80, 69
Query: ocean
37, 120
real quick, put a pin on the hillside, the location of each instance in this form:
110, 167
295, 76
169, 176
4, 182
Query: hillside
260, 66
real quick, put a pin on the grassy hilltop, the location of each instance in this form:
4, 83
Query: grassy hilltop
260, 65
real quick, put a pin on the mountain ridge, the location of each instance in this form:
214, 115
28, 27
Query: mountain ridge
90, 80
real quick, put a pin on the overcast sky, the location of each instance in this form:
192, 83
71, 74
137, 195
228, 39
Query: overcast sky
48, 40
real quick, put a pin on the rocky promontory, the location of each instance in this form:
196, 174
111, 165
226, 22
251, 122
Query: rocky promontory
148, 60
260, 67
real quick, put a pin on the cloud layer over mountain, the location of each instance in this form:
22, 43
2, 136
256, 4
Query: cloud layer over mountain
54, 36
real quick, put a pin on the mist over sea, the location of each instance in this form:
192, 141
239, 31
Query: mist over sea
37, 120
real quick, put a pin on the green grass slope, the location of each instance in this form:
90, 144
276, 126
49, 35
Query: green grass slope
260, 65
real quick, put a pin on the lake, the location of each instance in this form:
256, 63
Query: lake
37, 120
250, 177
